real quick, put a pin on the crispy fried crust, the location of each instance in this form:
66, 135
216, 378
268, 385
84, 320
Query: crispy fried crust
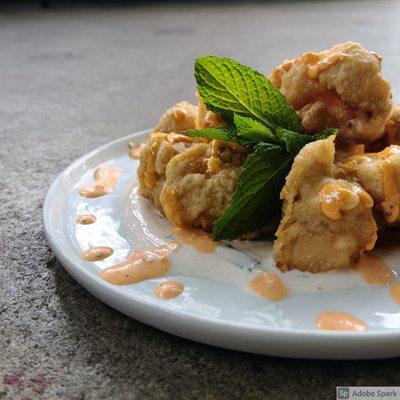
341, 88
313, 238
189, 180
179, 118
379, 174
391, 134
190, 196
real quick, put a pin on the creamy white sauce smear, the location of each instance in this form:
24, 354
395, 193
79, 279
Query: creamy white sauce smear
236, 262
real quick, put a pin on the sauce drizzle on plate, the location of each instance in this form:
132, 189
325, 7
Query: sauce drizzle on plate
197, 238
141, 265
374, 270
269, 286
105, 180
85, 219
339, 321
168, 289
97, 253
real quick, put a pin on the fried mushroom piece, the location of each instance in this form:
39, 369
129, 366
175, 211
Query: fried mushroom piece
379, 174
190, 182
337, 88
327, 220
179, 118
199, 185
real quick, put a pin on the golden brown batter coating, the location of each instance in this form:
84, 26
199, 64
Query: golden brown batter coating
179, 118
157, 152
190, 182
194, 195
338, 88
327, 220
391, 134
379, 174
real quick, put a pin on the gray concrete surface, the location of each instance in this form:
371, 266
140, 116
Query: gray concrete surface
73, 79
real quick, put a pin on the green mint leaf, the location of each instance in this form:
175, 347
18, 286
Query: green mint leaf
223, 133
256, 201
253, 131
327, 132
294, 141
228, 87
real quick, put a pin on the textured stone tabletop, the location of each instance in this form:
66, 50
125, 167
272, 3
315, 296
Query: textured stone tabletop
72, 79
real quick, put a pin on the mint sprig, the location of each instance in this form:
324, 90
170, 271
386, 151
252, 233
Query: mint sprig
252, 131
227, 87
221, 133
255, 202
256, 115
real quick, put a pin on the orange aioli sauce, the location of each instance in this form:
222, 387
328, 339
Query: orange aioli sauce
141, 265
334, 199
135, 151
168, 289
97, 253
269, 286
105, 180
338, 321
323, 64
395, 292
85, 219
374, 270
197, 238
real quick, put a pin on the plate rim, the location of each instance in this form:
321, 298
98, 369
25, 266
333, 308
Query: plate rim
83, 275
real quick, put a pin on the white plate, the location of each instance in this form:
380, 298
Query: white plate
216, 307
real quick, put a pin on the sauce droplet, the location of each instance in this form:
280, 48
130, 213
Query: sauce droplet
269, 286
197, 238
105, 180
374, 270
141, 265
335, 198
85, 219
338, 321
97, 253
168, 289
395, 292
